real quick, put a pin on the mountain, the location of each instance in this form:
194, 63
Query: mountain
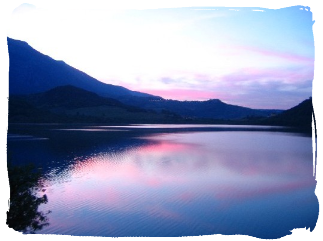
70, 97
20, 111
298, 116
212, 109
70, 104
33, 72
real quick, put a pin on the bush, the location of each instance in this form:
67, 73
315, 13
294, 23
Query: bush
23, 214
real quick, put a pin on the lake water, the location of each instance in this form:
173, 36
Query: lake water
171, 180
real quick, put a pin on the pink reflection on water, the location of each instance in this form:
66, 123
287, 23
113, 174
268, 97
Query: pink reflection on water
179, 168
163, 147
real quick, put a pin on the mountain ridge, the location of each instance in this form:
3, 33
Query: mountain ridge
70, 104
213, 108
298, 116
70, 97
33, 72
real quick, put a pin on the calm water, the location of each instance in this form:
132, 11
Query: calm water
168, 180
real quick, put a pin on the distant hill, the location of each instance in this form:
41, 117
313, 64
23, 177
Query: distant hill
70, 104
70, 97
20, 111
298, 116
33, 72
214, 108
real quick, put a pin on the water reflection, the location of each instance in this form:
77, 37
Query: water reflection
180, 184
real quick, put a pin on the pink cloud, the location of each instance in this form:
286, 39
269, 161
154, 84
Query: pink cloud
244, 86
268, 88
186, 94
283, 55
258, 75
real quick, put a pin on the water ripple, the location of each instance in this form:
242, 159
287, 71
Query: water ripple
185, 184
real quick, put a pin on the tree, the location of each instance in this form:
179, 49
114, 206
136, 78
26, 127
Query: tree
19, 201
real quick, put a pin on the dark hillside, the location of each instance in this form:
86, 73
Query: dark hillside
211, 109
70, 97
21, 111
299, 116
33, 72
69, 104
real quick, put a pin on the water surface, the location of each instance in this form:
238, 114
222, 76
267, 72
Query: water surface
171, 180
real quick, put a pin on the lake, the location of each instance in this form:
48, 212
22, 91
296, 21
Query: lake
171, 180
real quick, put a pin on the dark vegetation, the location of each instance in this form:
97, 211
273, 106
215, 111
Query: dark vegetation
23, 214
298, 116
70, 97
69, 104
22, 111
210, 109
72, 104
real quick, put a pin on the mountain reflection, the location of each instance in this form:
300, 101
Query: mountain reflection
179, 184
171, 177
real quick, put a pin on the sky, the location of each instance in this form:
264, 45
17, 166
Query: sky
254, 57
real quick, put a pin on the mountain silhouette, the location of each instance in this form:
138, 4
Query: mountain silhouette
21, 111
71, 97
70, 104
214, 108
33, 72
308, 113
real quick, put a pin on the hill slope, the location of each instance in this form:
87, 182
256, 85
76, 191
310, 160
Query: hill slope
298, 116
32, 72
214, 108
69, 97
71, 104
21, 111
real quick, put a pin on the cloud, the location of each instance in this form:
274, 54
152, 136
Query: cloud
268, 88
292, 57
190, 55
264, 77
272, 88
186, 94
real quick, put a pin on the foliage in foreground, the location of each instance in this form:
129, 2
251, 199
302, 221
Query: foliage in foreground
23, 214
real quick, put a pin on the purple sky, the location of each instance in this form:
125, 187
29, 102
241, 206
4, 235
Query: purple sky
259, 58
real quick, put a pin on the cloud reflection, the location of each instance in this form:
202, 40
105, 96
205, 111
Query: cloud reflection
171, 174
